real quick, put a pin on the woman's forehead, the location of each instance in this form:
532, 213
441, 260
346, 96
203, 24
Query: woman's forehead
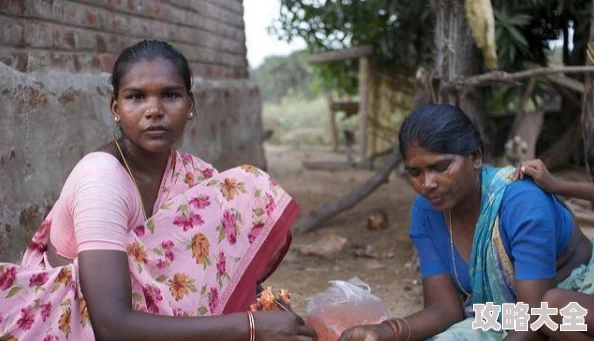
416, 156
151, 72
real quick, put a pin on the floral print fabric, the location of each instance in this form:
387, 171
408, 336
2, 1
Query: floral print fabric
188, 259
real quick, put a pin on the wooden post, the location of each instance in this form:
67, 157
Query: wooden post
363, 104
333, 127
588, 97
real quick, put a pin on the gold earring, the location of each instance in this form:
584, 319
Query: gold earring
116, 119
190, 115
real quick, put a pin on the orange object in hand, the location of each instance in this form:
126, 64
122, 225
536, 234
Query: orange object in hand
267, 300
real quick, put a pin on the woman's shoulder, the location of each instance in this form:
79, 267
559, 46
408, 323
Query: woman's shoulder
525, 200
524, 189
98, 161
97, 167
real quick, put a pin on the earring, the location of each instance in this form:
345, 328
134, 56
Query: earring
116, 119
190, 115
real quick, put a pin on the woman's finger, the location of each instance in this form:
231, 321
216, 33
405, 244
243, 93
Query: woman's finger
306, 331
346, 335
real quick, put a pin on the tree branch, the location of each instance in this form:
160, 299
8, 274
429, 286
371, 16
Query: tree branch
504, 77
316, 218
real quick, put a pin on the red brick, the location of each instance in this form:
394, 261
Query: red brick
11, 32
38, 35
70, 37
107, 62
91, 17
16, 59
12, 7
101, 43
77, 63
96, 62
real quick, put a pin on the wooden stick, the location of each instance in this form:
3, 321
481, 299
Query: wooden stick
318, 217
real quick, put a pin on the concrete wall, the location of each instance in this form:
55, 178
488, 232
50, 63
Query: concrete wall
54, 92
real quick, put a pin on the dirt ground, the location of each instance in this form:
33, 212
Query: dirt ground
387, 272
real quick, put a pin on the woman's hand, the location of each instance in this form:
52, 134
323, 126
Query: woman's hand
282, 326
537, 170
370, 332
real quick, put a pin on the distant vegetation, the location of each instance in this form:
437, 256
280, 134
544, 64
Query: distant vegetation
294, 99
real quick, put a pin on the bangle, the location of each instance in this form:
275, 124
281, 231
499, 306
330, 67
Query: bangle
407, 327
252, 326
394, 327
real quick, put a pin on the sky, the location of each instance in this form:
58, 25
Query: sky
258, 15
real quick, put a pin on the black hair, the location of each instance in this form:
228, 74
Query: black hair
150, 50
440, 128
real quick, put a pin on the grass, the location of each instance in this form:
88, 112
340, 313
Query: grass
300, 122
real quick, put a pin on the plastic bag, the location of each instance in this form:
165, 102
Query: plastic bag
343, 305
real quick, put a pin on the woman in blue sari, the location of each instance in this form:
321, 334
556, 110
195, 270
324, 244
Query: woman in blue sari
481, 237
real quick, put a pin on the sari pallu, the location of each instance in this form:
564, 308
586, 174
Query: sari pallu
213, 239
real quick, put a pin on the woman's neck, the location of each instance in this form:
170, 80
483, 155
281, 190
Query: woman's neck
468, 210
152, 164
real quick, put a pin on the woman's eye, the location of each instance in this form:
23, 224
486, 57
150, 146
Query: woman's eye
171, 95
413, 172
136, 97
442, 167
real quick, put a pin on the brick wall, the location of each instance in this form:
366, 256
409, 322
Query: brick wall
85, 36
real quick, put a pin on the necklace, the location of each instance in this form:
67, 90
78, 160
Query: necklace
453, 258
133, 179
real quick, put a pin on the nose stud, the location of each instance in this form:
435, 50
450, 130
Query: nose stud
151, 111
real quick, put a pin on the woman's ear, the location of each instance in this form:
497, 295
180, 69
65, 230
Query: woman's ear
477, 159
115, 111
192, 103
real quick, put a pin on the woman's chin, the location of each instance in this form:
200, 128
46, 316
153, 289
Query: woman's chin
157, 147
441, 204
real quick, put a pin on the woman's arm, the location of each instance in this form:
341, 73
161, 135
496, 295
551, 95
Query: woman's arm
580, 190
531, 293
105, 283
442, 309
537, 170
529, 219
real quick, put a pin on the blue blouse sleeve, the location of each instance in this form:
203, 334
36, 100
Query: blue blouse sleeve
431, 263
528, 218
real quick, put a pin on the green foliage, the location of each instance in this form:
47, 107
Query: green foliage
279, 76
402, 31
296, 121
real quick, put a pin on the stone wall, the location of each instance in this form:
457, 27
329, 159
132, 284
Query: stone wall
54, 92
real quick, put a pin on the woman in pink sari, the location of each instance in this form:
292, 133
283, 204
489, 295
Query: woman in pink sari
148, 243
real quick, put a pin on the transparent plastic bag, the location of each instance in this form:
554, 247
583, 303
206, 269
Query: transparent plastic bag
343, 305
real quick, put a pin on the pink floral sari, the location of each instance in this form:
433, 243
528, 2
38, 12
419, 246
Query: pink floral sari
214, 237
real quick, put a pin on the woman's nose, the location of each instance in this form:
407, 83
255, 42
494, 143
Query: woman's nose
429, 182
153, 111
